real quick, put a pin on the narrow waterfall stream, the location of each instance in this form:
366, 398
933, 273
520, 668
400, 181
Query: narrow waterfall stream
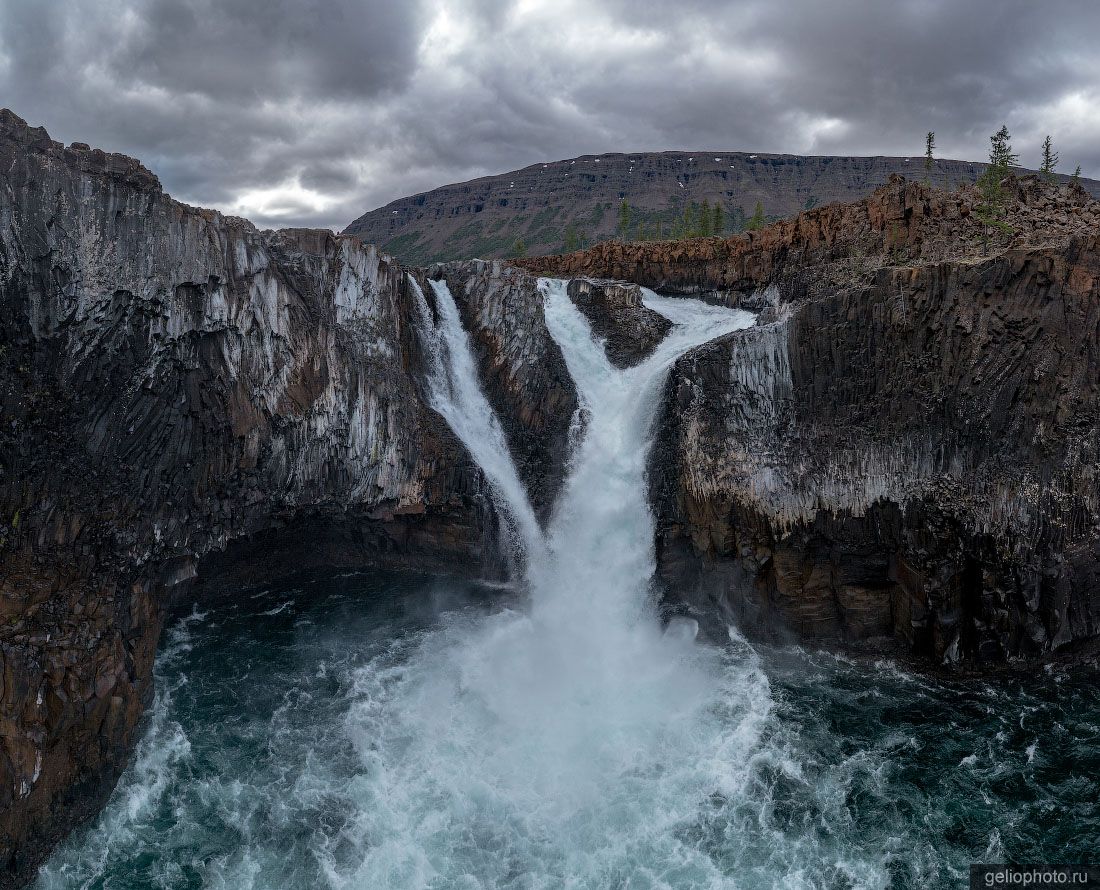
456, 394
382, 731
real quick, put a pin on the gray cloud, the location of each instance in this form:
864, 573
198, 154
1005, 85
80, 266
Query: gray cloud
303, 112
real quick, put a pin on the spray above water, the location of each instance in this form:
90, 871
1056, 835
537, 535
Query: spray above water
565, 742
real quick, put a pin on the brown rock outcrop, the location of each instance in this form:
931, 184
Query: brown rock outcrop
830, 247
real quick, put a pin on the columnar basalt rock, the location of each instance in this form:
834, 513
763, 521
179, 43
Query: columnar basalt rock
908, 466
174, 383
901, 455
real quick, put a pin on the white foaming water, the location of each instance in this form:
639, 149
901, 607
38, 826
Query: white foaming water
573, 744
456, 394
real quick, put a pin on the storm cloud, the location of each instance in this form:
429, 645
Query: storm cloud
310, 112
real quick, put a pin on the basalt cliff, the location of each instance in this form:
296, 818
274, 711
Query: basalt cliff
900, 456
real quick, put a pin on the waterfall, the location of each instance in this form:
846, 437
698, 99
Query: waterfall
601, 537
570, 737
454, 391
384, 731
602, 532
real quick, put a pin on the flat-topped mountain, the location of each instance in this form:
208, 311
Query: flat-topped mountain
565, 205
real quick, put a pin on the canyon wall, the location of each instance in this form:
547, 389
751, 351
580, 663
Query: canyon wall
185, 398
900, 457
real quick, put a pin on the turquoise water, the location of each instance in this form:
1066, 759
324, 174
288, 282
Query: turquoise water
281, 736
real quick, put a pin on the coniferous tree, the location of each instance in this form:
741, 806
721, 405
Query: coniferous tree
756, 221
1001, 158
719, 220
1001, 154
702, 229
624, 217
929, 144
572, 241
1076, 178
687, 224
1050, 160
519, 249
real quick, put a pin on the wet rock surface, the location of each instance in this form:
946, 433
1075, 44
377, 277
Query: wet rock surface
904, 468
522, 369
900, 457
614, 309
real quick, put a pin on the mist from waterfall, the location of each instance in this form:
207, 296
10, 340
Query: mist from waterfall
570, 736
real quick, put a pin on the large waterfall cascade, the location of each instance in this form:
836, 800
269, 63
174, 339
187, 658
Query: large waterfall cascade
380, 731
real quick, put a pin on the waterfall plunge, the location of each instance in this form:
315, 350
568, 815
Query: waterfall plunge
456, 394
566, 740
450, 744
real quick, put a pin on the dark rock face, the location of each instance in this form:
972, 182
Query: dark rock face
522, 369
912, 462
901, 456
616, 313
174, 383
542, 203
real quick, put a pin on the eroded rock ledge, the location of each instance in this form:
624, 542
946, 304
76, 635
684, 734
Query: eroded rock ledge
522, 369
616, 313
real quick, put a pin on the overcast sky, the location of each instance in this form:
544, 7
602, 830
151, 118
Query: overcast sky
303, 112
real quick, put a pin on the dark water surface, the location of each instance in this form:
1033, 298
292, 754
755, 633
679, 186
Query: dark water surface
349, 733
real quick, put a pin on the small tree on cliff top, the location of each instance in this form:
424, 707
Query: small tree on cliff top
1001, 158
1001, 154
624, 217
1050, 160
703, 228
929, 144
719, 220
